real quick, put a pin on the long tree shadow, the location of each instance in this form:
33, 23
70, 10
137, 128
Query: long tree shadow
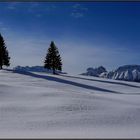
51, 78
110, 82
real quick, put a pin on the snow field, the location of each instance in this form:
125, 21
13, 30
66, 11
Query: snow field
40, 105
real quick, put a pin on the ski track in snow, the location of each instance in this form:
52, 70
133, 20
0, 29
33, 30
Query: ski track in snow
39, 105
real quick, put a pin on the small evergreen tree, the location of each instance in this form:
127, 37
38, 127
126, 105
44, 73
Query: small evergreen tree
4, 55
53, 59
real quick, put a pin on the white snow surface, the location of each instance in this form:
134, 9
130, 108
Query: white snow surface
40, 105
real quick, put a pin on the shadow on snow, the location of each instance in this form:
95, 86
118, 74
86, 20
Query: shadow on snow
50, 78
110, 82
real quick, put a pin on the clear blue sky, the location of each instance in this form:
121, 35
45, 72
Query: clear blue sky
88, 34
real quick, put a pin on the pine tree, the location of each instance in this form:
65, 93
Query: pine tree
53, 59
4, 55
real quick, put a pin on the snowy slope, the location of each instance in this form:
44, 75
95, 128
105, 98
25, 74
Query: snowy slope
39, 105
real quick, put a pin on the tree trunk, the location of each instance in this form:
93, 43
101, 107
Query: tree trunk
53, 70
0, 66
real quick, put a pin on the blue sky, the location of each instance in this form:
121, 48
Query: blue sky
87, 34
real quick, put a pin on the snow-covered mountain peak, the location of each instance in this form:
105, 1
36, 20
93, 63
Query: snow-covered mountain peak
126, 72
95, 71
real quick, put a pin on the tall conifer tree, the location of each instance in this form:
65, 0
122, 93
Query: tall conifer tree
4, 55
53, 59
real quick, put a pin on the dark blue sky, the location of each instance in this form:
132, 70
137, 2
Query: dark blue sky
88, 34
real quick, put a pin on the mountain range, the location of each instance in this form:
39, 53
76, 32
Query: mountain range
126, 73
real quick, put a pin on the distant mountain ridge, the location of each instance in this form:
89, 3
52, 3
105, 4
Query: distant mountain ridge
95, 71
126, 73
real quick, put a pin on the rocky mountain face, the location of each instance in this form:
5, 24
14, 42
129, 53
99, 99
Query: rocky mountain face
126, 73
95, 71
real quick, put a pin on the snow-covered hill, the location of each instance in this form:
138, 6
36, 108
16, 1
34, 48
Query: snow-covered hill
40, 105
34, 69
